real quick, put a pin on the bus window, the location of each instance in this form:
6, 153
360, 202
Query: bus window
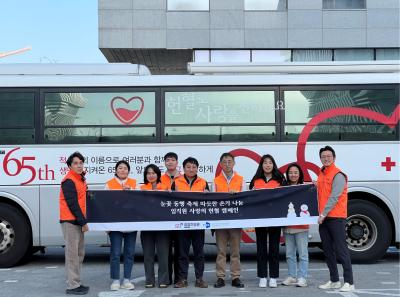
303, 105
220, 133
212, 116
100, 135
17, 118
121, 117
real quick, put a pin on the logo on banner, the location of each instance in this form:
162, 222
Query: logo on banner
207, 225
127, 110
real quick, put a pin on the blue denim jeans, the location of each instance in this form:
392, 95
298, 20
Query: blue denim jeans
116, 239
297, 242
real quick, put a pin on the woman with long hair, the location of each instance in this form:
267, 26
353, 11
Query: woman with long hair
267, 176
153, 241
296, 238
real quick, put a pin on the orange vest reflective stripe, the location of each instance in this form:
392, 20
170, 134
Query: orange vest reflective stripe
114, 184
167, 180
325, 181
149, 187
181, 185
81, 188
221, 184
261, 184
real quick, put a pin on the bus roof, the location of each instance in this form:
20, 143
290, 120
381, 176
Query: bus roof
130, 75
73, 69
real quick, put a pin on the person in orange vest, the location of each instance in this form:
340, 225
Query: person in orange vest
121, 181
155, 240
190, 182
296, 238
267, 176
73, 222
171, 163
228, 181
332, 200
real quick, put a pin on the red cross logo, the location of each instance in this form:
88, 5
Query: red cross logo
388, 164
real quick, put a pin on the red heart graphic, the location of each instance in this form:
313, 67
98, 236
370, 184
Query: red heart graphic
390, 121
125, 115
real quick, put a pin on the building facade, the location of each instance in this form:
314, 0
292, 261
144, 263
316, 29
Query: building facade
167, 34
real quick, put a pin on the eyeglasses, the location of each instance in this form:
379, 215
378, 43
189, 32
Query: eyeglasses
326, 157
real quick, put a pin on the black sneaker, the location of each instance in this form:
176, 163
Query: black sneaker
81, 290
237, 283
219, 283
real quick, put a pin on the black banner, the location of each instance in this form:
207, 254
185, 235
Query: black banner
159, 210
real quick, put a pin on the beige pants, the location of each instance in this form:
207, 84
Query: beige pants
225, 236
74, 253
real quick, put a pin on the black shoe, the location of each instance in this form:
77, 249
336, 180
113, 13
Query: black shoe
219, 283
81, 290
237, 283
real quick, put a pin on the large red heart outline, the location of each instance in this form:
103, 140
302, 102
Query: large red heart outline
122, 110
390, 121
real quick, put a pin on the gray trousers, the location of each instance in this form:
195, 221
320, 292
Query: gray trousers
152, 241
74, 253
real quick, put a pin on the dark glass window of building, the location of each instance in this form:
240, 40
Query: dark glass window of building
344, 4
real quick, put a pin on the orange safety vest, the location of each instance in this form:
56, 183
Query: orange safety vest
167, 180
149, 187
221, 184
259, 183
325, 180
114, 184
181, 185
81, 188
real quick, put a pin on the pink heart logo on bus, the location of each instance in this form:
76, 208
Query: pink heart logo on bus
127, 110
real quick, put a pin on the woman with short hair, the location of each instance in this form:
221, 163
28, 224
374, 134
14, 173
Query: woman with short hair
121, 181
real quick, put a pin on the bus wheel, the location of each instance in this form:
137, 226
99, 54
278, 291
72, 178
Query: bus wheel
15, 236
368, 231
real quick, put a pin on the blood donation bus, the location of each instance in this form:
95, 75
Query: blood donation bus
113, 112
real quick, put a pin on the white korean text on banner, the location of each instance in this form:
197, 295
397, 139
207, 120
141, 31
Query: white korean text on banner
163, 210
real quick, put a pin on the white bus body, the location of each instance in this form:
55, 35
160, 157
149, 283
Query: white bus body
30, 173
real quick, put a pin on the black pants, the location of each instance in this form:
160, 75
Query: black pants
333, 238
196, 239
173, 260
271, 256
152, 241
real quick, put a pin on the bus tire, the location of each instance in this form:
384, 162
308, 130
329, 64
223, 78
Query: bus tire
368, 231
15, 236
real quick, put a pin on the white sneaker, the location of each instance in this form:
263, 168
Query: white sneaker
126, 284
273, 283
302, 282
289, 281
347, 288
115, 285
330, 285
263, 282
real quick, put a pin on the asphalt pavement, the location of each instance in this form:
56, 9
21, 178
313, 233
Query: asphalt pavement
44, 276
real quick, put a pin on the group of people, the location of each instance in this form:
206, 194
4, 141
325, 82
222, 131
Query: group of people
172, 247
